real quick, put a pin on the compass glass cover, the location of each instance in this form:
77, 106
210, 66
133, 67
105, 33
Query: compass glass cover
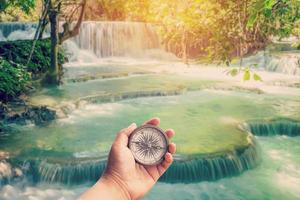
148, 145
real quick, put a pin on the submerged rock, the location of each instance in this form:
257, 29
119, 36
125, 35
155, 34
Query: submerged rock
8, 173
24, 114
39, 115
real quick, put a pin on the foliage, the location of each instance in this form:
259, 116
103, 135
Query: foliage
16, 10
276, 17
218, 29
18, 52
247, 73
24, 5
13, 79
132, 10
14, 76
105, 10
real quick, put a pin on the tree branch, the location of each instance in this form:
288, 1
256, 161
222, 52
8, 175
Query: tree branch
67, 33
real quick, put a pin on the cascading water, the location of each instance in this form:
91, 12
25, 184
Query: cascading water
287, 62
274, 127
2, 38
98, 40
115, 39
183, 170
211, 168
9, 27
17, 30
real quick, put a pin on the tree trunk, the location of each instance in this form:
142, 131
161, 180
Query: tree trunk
53, 75
40, 27
184, 48
43, 27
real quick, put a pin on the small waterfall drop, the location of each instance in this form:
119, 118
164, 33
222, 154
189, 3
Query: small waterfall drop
274, 127
185, 169
2, 38
10, 31
117, 39
9, 27
287, 62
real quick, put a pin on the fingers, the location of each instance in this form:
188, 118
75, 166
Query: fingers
172, 148
165, 164
129, 129
168, 159
153, 121
122, 137
170, 133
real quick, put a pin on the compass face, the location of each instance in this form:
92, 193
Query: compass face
148, 145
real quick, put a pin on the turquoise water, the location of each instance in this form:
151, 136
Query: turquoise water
206, 115
278, 177
203, 122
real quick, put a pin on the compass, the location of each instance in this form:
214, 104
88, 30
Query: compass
148, 144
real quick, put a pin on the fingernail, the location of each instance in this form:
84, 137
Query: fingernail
132, 125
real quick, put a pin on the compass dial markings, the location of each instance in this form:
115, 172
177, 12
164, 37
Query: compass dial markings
148, 144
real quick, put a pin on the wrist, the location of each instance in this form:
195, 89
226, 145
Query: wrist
116, 186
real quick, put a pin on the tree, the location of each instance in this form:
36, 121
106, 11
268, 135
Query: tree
69, 12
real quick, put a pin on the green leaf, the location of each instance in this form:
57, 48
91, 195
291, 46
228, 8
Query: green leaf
233, 72
251, 20
256, 77
269, 4
246, 75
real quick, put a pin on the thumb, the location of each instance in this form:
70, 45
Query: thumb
122, 137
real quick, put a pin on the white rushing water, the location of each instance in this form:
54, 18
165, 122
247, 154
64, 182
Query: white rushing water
282, 62
10, 31
114, 39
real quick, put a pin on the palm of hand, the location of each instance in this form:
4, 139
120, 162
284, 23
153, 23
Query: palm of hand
137, 178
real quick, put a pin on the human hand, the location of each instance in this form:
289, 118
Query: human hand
132, 177
124, 178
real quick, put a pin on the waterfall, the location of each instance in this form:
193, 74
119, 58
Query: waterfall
9, 27
214, 167
99, 39
287, 62
106, 39
273, 127
17, 30
20, 31
70, 173
185, 169
103, 38
2, 38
